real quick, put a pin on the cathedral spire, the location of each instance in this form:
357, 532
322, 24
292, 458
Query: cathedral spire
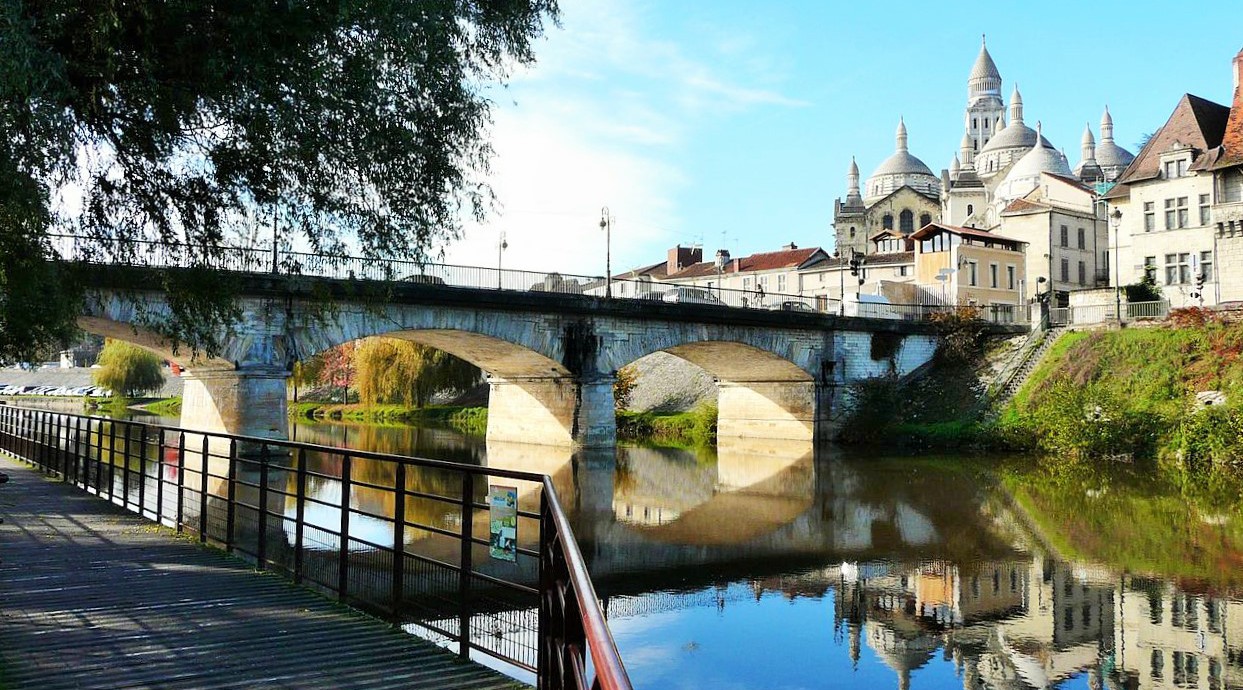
1016, 106
1107, 127
901, 135
1088, 144
852, 179
984, 77
966, 150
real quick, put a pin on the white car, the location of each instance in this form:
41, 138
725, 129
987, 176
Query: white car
689, 295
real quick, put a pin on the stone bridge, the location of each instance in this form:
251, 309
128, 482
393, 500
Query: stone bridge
551, 359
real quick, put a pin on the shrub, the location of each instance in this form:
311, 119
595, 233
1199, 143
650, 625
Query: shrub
1210, 437
1088, 421
1145, 290
1193, 317
962, 334
874, 403
623, 386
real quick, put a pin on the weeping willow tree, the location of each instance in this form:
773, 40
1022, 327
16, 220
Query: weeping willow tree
387, 370
127, 369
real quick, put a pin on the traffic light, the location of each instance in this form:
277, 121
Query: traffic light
854, 263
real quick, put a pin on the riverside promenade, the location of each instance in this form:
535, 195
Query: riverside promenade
92, 596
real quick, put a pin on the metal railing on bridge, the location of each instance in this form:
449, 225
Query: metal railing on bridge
1084, 315
407, 539
340, 267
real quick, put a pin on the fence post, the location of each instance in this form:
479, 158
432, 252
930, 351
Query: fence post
159, 476
261, 548
142, 470
181, 481
231, 515
99, 456
343, 564
125, 456
112, 458
203, 489
399, 538
543, 664
300, 518
468, 499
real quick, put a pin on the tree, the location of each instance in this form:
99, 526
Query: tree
337, 370
197, 121
398, 371
623, 386
127, 369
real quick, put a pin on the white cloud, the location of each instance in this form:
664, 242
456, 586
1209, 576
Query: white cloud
603, 118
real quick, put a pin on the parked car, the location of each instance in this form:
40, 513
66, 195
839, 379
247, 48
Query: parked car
424, 279
795, 305
689, 295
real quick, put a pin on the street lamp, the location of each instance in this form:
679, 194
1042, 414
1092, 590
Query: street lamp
1115, 220
606, 224
501, 246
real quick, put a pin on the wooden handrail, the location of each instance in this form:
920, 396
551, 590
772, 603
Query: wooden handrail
610, 673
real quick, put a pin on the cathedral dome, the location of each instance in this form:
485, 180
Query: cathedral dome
901, 170
1025, 175
1016, 135
984, 78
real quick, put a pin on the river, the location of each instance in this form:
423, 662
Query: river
770, 565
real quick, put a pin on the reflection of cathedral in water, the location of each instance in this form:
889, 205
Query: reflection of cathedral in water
1036, 624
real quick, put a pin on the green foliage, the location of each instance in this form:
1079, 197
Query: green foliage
1145, 290
1210, 438
694, 428
962, 335
472, 420
388, 370
168, 407
623, 386
1090, 421
874, 405
127, 369
189, 120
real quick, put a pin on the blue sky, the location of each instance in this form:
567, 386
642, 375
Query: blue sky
732, 123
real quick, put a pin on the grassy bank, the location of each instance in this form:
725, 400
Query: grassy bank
1133, 393
468, 419
694, 428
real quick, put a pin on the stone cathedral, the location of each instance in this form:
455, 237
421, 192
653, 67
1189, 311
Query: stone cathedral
999, 159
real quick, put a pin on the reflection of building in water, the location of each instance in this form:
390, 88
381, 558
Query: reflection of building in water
1169, 638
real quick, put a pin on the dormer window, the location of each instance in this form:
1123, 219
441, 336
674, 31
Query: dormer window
1176, 168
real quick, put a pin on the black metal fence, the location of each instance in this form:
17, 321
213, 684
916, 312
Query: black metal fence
407, 539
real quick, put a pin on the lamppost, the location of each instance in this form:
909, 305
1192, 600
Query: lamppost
606, 224
501, 246
720, 268
1115, 220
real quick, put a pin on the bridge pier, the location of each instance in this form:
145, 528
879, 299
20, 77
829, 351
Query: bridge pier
249, 401
785, 410
556, 411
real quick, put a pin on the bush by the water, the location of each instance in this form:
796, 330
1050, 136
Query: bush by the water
696, 427
127, 370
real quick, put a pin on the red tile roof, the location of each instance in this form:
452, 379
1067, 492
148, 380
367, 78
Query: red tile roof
1232, 140
769, 261
1024, 206
931, 228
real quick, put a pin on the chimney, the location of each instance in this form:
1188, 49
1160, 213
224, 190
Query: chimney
680, 257
789, 247
1238, 72
722, 258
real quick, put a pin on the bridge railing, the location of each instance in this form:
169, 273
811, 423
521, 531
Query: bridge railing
413, 541
252, 260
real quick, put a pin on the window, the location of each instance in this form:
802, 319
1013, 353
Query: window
1206, 266
1204, 209
1010, 277
1150, 221
1230, 191
924, 220
781, 283
985, 124
992, 275
1176, 168
906, 222
886, 222
1177, 269
1082, 239
746, 284
970, 209
1083, 274
1065, 236
852, 232
1150, 268
1065, 270
975, 123
972, 273
1176, 213
902, 270
762, 283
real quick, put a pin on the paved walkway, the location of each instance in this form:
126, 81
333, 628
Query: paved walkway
94, 597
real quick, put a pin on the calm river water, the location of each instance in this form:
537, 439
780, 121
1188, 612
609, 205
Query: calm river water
772, 565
